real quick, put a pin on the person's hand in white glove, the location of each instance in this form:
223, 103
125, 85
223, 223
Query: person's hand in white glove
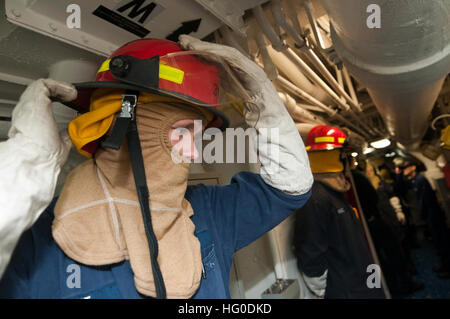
33, 121
30, 161
285, 164
396, 204
401, 218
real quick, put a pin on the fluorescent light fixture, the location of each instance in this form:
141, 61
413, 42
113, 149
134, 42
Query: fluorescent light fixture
368, 150
354, 154
381, 143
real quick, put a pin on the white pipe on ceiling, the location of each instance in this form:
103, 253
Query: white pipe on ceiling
296, 76
403, 63
297, 112
332, 114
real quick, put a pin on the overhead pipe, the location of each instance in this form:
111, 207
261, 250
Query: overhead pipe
315, 29
292, 14
278, 15
295, 75
330, 78
11, 78
310, 99
318, 63
278, 45
403, 64
276, 42
351, 89
305, 120
339, 76
297, 112
8, 102
305, 67
268, 65
316, 79
437, 119
304, 125
309, 107
304, 95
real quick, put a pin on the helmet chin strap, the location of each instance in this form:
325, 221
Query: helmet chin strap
126, 125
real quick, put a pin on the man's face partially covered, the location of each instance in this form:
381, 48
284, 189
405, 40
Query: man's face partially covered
182, 135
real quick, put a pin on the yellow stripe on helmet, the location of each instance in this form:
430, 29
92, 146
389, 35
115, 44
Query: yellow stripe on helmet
165, 72
171, 74
324, 139
104, 67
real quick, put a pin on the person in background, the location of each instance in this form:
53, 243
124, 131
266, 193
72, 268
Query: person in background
409, 203
397, 259
389, 204
329, 243
431, 212
387, 244
402, 222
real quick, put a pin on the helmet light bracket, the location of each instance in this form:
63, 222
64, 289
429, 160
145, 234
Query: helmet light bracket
135, 71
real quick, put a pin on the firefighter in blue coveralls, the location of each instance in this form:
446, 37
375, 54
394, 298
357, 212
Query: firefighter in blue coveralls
99, 227
330, 246
430, 212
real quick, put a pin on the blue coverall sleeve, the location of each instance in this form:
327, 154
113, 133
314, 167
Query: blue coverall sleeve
21, 278
15, 282
247, 208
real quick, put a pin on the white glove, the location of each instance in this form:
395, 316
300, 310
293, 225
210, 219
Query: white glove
284, 162
401, 218
317, 285
396, 204
30, 161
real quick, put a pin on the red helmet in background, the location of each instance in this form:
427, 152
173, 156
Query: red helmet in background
325, 138
160, 67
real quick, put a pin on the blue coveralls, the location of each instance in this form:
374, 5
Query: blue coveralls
329, 236
226, 219
432, 213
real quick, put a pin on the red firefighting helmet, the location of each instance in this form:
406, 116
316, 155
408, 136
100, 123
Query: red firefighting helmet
324, 137
160, 67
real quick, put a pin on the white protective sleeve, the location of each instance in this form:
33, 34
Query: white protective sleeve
284, 161
30, 161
